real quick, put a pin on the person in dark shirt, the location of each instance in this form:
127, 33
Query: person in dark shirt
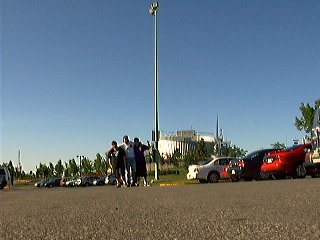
116, 159
139, 150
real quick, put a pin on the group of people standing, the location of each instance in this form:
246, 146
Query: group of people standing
127, 162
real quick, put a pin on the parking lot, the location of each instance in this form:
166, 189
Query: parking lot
278, 209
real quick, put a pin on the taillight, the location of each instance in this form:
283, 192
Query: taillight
271, 159
241, 163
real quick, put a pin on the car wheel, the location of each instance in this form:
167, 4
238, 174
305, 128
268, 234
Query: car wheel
315, 175
248, 178
264, 175
301, 171
234, 179
213, 177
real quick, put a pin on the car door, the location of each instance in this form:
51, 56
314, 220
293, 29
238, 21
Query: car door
218, 165
251, 164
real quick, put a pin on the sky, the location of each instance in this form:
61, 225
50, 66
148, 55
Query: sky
76, 75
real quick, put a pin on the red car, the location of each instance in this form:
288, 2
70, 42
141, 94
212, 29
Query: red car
287, 162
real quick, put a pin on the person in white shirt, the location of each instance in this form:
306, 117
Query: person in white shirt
128, 147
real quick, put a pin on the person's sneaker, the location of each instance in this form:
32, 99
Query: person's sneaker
118, 186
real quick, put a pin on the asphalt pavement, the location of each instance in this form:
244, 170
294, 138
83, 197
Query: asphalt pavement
277, 209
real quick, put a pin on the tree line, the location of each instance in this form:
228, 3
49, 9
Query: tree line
199, 153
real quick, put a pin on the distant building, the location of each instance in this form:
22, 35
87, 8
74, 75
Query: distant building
184, 140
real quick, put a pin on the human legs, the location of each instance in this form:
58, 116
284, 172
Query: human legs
120, 176
131, 171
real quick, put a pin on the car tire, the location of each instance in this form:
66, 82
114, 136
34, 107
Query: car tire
213, 177
264, 175
315, 175
235, 179
300, 171
247, 179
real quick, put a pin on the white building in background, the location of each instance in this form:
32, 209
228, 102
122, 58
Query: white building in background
184, 140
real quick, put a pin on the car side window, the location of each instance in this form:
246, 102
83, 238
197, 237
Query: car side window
254, 156
224, 162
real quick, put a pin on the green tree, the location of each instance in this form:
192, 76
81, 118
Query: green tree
11, 169
86, 166
189, 158
233, 151
73, 167
197, 154
99, 165
201, 152
162, 160
42, 171
305, 121
59, 168
51, 169
176, 158
278, 145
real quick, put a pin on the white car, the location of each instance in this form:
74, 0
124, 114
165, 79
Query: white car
210, 170
71, 182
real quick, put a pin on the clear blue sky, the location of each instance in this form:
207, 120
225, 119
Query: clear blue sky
76, 75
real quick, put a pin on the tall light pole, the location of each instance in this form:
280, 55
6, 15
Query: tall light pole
80, 158
153, 11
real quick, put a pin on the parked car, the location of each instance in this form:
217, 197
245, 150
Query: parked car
53, 182
41, 183
287, 162
63, 181
210, 170
5, 178
99, 182
86, 181
248, 167
312, 159
110, 180
71, 182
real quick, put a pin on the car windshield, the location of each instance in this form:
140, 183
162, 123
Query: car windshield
255, 153
292, 148
251, 155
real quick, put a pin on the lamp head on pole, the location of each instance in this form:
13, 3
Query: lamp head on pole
153, 8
